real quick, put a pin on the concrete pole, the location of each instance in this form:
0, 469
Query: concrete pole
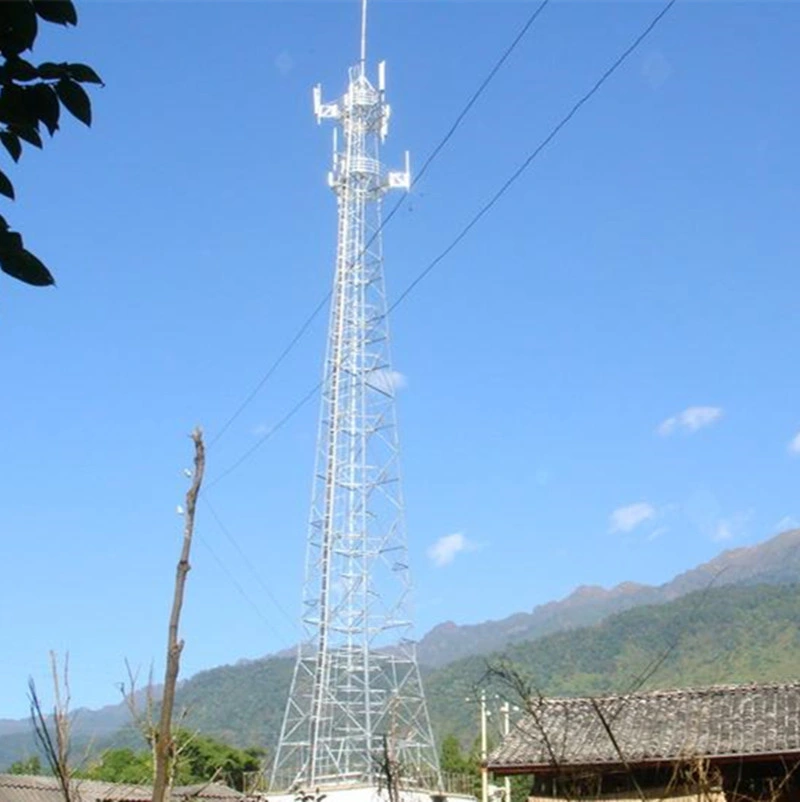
506, 711
484, 750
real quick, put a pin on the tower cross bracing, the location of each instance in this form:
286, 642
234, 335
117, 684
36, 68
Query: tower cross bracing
356, 690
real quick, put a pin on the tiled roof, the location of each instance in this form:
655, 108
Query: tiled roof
720, 721
23, 788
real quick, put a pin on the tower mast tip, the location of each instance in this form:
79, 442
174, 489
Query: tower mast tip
363, 34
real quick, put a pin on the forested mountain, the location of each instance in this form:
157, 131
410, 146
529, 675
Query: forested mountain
729, 634
774, 561
725, 635
732, 630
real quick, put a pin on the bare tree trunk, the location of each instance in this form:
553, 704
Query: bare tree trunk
164, 746
56, 746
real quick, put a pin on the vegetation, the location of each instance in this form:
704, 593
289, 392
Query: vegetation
241, 704
728, 634
773, 562
31, 98
122, 766
199, 759
454, 762
31, 765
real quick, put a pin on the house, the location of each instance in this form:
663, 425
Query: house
24, 788
734, 743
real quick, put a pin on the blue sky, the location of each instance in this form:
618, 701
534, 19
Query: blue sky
599, 381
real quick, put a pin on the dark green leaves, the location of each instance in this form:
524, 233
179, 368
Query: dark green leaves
19, 263
16, 107
18, 27
20, 70
6, 187
12, 144
24, 266
61, 12
74, 97
46, 106
30, 135
31, 98
83, 74
53, 72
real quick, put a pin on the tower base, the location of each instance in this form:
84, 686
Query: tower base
364, 793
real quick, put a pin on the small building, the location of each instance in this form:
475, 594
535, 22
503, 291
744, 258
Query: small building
734, 743
25, 788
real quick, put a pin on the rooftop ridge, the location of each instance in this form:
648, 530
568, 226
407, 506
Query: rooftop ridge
692, 690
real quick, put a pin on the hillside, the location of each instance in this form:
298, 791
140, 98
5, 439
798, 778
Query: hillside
727, 634
593, 640
774, 561
724, 635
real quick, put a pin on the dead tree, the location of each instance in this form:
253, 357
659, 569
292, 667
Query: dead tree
390, 768
164, 750
55, 742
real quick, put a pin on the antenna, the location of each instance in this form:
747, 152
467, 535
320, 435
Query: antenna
356, 671
363, 34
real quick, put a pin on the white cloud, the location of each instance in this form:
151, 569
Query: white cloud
731, 527
657, 532
387, 381
786, 523
626, 519
284, 63
794, 445
656, 69
541, 477
444, 550
724, 531
690, 420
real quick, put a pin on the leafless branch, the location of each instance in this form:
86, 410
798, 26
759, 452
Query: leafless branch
55, 742
164, 751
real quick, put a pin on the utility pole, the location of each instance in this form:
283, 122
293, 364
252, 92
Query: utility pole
484, 715
505, 709
484, 748
484, 751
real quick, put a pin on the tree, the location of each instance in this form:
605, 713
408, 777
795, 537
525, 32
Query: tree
199, 758
165, 748
32, 765
31, 97
122, 766
52, 732
451, 759
463, 769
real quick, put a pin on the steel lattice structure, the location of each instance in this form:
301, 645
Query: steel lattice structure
356, 689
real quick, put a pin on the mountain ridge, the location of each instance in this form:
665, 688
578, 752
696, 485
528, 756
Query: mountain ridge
213, 693
773, 561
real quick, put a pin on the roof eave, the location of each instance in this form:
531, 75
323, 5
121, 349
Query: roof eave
503, 769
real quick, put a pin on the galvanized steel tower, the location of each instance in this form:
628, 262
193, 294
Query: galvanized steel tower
356, 693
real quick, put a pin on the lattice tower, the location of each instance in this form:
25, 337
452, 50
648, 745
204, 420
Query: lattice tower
356, 692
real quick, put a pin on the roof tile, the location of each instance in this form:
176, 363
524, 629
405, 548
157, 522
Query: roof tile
660, 725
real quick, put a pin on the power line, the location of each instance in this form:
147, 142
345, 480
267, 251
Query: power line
263, 439
270, 595
275, 365
472, 223
235, 583
470, 103
534, 154
426, 164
